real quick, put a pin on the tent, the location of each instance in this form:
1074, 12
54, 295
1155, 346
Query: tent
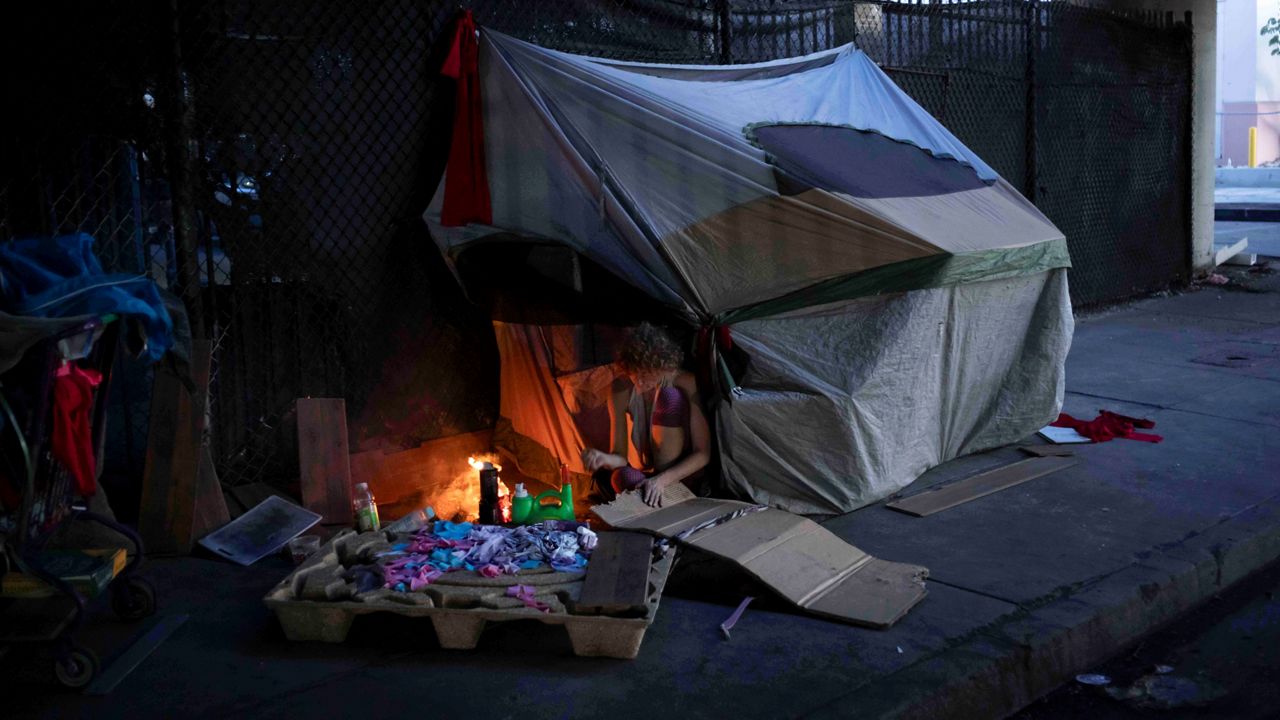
897, 302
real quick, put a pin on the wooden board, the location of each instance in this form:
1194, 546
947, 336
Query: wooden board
408, 480
167, 513
1048, 450
211, 510
249, 496
617, 579
324, 463
980, 485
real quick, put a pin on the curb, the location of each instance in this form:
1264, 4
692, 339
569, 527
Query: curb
1000, 669
1243, 212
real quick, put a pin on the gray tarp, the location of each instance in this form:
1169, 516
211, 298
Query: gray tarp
848, 403
901, 304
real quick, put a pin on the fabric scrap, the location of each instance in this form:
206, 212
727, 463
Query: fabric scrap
719, 520
72, 438
61, 277
466, 183
525, 594
728, 624
1108, 426
489, 550
365, 577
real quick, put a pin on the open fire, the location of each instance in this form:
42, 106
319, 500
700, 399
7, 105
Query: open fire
480, 465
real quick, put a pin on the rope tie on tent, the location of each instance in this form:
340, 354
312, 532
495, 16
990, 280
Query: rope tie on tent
714, 342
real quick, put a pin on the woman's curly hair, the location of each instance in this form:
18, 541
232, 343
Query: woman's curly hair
649, 347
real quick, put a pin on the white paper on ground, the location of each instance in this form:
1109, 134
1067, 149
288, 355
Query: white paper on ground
1061, 435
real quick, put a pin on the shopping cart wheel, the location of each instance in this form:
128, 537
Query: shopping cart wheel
133, 599
76, 667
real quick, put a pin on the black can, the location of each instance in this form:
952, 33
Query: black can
489, 513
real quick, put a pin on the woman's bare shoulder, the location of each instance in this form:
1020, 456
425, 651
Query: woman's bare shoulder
687, 382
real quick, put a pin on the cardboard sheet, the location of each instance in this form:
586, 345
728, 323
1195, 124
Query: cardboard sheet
798, 558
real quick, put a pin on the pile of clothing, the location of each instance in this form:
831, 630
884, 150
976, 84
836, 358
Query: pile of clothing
490, 550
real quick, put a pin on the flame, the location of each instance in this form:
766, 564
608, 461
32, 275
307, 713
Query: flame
504, 501
479, 464
504, 493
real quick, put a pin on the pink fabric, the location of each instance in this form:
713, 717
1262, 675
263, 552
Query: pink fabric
525, 594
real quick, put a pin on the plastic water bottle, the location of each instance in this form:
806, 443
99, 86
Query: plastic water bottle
365, 509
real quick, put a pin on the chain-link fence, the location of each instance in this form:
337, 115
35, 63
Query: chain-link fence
268, 162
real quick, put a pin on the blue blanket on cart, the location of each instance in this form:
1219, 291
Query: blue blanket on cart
61, 277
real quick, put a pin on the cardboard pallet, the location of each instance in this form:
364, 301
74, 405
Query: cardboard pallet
314, 603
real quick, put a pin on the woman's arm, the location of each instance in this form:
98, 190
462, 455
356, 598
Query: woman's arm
619, 400
619, 397
699, 441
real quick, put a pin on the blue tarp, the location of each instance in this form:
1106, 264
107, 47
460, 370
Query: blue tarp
61, 277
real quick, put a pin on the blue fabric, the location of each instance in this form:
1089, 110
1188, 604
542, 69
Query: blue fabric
451, 531
61, 277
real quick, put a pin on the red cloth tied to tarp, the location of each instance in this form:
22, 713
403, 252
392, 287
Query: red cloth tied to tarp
466, 188
712, 340
1108, 426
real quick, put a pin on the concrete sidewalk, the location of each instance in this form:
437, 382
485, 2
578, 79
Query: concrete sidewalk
1028, 586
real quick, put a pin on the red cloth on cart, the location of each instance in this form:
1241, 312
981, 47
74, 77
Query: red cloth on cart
72, 438
466, 182
1108, 426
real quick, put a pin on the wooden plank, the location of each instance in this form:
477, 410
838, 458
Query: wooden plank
211, 510
167, 512
251, 495
1048, 450
980, 485
324, 463
617, 578
407, 480
234, 508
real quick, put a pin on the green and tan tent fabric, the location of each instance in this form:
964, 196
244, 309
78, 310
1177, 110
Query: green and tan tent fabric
900, 303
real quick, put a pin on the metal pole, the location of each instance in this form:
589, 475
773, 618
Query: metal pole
181, 150
726, 31
1033, 44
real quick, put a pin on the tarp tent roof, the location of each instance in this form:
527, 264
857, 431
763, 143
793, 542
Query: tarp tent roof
720, 188
769, 192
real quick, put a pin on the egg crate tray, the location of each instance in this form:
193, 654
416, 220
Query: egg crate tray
315, 603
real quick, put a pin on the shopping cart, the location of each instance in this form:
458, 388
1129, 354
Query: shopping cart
38, 498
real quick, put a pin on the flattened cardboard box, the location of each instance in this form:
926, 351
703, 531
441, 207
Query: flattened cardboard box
803, 561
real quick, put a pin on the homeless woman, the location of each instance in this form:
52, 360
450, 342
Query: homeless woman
667, 428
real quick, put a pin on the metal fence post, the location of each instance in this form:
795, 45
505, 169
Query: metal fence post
726, 31
181, 149
1033, 44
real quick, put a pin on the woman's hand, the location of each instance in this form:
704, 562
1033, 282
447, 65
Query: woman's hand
597, 460
651, 490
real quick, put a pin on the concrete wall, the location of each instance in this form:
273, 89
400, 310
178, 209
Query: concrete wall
1203, 116
1248, 82
1234, 124
1237, 51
